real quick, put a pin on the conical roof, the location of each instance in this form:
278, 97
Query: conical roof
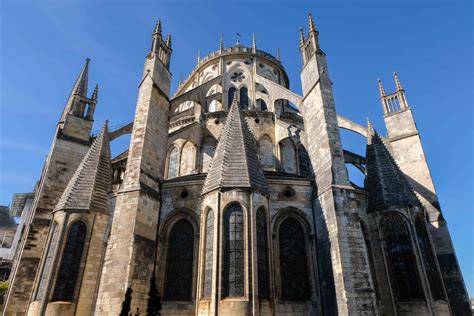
385, 182
89, 186
235, 163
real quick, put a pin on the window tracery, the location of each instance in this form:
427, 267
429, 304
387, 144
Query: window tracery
173, 162
234, 248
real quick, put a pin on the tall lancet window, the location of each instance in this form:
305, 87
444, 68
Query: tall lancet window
230, 96
244, 98
234, 249
293, 261
429, 259
173, 163
209, 255
303, 161
262, 255
70, 263
179, 262
401, 258
53, 243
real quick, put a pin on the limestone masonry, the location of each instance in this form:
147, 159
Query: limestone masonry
233, 198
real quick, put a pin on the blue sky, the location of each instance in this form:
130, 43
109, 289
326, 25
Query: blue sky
429, 43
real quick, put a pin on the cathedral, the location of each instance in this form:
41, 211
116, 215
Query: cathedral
233, 198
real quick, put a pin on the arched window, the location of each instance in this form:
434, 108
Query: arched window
262, 256
288, 156
212, 106
188, 157
401, 258
209, 255
53, 243
234, 250
230, 96
173, 159
208, 148
179, 262
265, 152
293, 261
262, 105
244, 98
70, 263
304, 163
429, 260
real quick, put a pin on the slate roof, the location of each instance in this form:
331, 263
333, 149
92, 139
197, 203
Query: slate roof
235, 163
89, 186
385, 182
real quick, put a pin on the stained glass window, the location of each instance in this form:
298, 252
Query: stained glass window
173, 163
429, 259
293, 261
53, 243
234, 248
179, 262
401, 258
304, 163
262, 256
244, 98
230, 96
209, 253
70, 263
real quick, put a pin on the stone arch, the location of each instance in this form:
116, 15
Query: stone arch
208, 148
266, 152
288, 156
188, 159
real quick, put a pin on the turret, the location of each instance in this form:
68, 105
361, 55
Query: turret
393, 102
159, 47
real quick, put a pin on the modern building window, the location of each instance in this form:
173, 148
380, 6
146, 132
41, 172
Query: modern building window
179, 262
293, 261
209, 255
230, 96
401, 258
234, 250
173, 163
244, 98
70, 263
262, 256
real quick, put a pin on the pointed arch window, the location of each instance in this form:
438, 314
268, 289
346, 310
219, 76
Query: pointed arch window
179, 262
288, 156
265, 153
230, 96
70, 263
53, 243
208, 148
303, 161
234, 250
244, 98
262, 105
401, 258
429, 260
262, 256
293, 261
173, 163
209, 255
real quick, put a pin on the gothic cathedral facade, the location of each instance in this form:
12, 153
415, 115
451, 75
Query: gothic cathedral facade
233, 198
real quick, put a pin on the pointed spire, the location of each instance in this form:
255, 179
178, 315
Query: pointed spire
302, 39
235, 163
95, 93
199, 56
168, 41
158, 27
385, 182
311, 27
80, 89
254, 43
397, 82
221, 43
90, 185
278, 55
381, 89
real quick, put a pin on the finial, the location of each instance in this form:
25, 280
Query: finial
397, 82
238, 39
199, 56
370, 131
168, 40
95, 93
87, 61
254, 42
312, 28
301, 36
221, 43
278, 54
158, 27
381, 89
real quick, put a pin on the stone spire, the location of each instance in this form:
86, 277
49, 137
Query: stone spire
198, 56
398, 85
79, 89
235, 163
89, 187
311, 27
221, 43
158, 27
278, 54
385, 182
254, 43
381, 89
95, 93
168, 40
301, 37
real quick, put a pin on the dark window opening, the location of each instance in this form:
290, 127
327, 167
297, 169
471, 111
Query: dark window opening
244, 98
230, 94
262, 256
304, 162
234, 249
208, 256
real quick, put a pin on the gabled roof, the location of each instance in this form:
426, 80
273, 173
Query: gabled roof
89, 186
235, 163
385, 182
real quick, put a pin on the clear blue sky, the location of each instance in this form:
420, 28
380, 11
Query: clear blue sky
429, 44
